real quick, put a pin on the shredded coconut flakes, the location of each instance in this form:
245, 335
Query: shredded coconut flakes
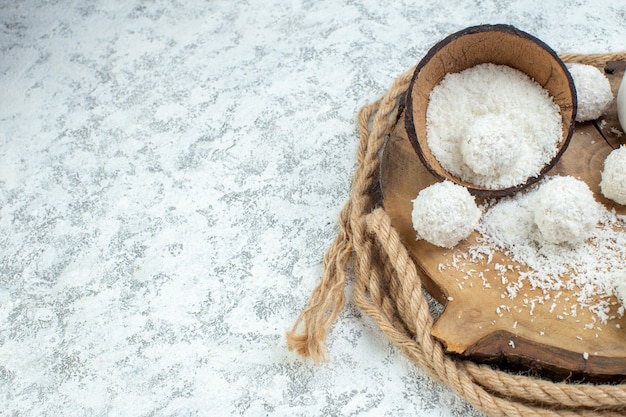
486, 94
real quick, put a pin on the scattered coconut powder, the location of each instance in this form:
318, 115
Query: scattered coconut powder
482, 105
594, 269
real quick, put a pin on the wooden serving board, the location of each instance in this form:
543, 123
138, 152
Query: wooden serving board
477, 321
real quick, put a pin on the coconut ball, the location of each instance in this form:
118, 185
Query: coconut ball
565, 210
491, 145
593, 91
613, 182
444, 214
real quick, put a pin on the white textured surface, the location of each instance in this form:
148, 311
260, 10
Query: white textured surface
170, 176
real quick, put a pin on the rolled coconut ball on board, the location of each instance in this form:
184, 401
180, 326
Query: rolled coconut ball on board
565, 210
613, 182
593, 91
444, 214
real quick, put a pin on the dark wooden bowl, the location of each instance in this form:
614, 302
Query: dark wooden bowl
500, 45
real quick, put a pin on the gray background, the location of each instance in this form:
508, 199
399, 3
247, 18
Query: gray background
170, 177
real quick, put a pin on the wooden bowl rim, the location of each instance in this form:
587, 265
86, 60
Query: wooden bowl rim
412, 133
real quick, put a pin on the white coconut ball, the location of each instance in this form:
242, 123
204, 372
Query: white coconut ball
444, 214
565, 210
613, 183
491, 145
593, 91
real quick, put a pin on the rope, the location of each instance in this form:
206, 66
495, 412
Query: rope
388, 288
598, 60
